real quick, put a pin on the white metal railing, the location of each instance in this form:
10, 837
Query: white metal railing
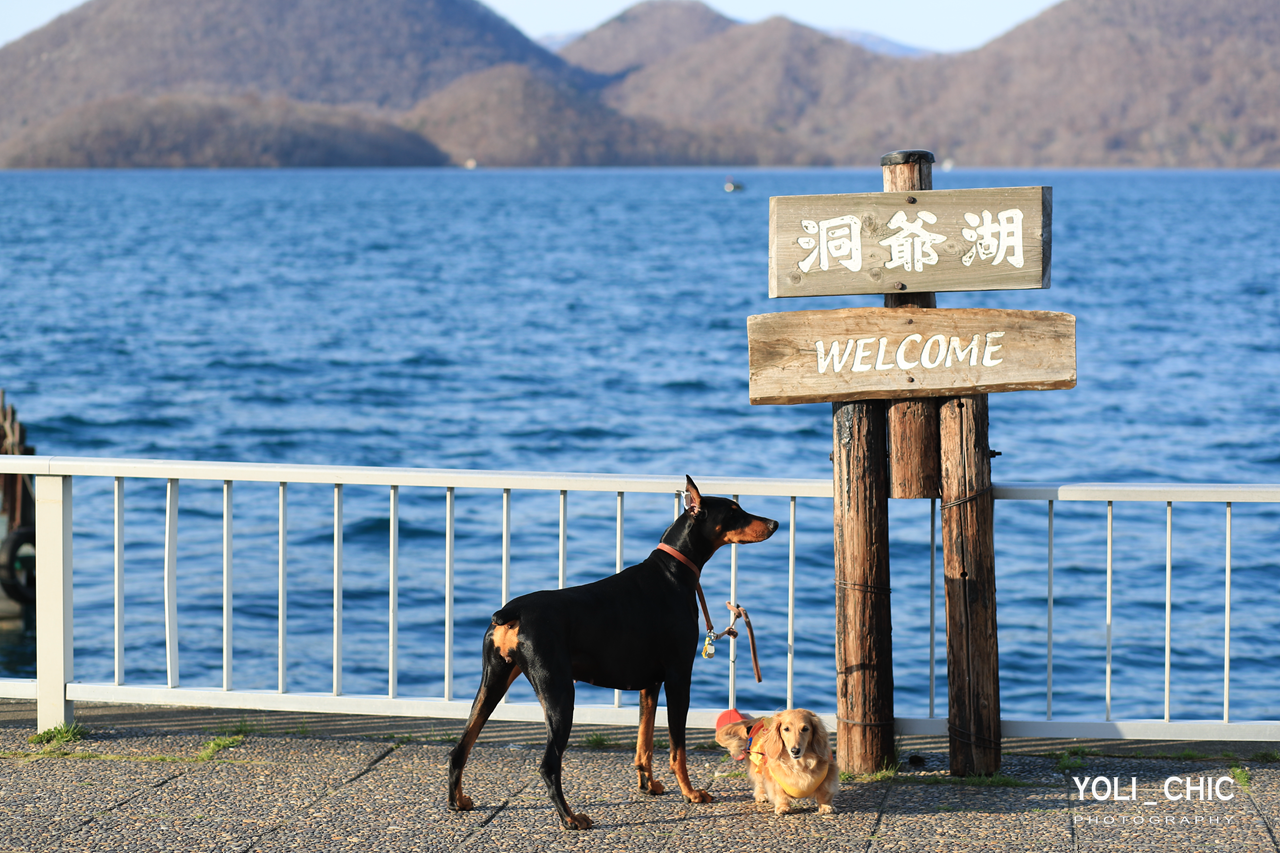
56, 690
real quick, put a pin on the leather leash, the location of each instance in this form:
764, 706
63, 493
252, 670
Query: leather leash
734, 609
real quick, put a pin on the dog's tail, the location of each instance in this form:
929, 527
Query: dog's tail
506, 615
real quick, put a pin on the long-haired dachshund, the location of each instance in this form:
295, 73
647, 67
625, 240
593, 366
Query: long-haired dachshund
789, 758
635, 630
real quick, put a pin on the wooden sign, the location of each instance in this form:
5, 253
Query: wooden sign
910, 242
887, 353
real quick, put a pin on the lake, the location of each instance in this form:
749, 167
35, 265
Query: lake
594, 320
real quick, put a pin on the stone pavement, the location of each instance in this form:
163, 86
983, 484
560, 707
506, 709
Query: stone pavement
172, 779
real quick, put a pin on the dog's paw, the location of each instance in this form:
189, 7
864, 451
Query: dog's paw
826, 808
697, 795
761, 798
462, 804
577, 821
782, 808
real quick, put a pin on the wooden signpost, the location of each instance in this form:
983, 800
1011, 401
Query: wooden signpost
908, 385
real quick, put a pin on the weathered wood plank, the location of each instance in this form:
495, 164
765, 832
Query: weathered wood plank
915, 467
864, 639
894, 353
908, 242
969, 566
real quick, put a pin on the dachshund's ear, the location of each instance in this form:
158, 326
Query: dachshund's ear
820, 743
692, 497
770, 741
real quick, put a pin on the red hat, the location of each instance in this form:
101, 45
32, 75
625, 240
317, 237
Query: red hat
730, 716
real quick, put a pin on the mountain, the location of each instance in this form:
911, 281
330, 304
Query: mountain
185, 131
877, 44
385, 54
512, 115
1188, 83
1086, 83
765, 79
644, 34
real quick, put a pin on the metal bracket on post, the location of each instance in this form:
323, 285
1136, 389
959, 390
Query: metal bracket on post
55, 639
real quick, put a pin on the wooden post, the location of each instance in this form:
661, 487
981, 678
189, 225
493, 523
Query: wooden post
968, 546
864, 645
914, 461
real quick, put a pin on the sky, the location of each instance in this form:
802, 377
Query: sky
939, 25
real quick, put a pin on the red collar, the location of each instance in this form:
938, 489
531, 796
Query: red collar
663, 546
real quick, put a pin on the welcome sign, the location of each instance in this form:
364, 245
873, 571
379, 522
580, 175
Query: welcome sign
893, 353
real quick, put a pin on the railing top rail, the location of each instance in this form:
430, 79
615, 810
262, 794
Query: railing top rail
1177, 492
270, 472
67, 466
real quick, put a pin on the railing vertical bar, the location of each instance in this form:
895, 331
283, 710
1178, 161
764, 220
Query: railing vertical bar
282, 600
617, 567
1226, 632
1048, 689
733, 641
506, 555
564, 537
678, 507
1168, 603
506, 547
55, 658
171, 582
448, 594
119, 578
393, 597
228, 611
791, 608
337, 589
933, 601
1109, 557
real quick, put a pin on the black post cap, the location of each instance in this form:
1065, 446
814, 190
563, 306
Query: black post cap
898, 158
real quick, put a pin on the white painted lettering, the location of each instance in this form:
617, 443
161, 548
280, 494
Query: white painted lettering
1197, 787
931, 362
1217, 788
833, 358
1080, 784
864, 351
986, 354
1167, 794
1106, 795
956, 350
901, 355
880, 362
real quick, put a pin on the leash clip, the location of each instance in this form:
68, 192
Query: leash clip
709, 646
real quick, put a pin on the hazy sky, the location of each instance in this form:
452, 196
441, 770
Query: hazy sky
943, 25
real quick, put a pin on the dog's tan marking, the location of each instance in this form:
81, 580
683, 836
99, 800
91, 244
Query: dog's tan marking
756, 531
469, 740
644, 743
505, 638
680, 770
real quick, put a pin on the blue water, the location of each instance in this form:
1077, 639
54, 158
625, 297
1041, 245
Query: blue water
594, 320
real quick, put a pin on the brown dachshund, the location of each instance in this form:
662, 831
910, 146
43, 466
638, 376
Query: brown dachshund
789, 758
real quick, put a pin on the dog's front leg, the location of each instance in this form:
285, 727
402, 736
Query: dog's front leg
644, 741
677, 712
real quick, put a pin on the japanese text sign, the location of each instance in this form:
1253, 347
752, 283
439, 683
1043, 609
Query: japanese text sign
893, 353
910, 242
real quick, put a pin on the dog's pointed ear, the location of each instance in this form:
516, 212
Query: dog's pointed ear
692, 497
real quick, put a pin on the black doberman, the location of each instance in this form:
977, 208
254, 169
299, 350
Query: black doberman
635, 630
